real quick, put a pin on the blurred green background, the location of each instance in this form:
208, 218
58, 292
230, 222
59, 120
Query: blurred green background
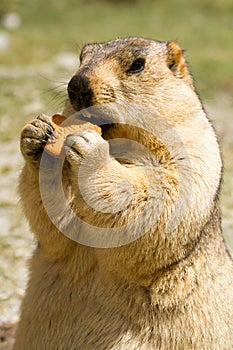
203, 27
40, 41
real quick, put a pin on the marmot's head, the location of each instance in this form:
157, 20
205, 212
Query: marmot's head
134, 70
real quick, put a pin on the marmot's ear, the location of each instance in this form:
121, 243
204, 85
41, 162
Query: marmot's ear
176, 62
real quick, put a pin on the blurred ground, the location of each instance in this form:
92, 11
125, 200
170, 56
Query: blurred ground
39, 48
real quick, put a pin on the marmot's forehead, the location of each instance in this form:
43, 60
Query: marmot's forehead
132, 46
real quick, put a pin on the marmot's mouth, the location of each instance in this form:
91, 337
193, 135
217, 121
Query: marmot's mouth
98, 120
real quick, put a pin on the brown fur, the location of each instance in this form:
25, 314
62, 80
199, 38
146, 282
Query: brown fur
167, 289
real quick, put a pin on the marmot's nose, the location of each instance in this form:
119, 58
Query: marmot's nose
80, 93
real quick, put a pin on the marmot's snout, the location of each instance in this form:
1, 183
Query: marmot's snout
80, 92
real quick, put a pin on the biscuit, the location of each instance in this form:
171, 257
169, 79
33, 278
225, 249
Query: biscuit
55, 146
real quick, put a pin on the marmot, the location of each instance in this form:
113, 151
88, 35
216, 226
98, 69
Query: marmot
171, 285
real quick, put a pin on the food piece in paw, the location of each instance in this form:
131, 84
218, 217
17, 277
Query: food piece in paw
55, 146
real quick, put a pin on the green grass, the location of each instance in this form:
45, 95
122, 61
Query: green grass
203, 27
6, 169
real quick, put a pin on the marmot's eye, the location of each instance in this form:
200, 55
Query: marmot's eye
137, 66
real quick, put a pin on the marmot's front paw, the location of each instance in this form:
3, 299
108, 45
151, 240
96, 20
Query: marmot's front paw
34, 135
86, 146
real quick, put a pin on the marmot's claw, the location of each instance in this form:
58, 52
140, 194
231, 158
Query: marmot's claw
44, 118
50, 135
34, 135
